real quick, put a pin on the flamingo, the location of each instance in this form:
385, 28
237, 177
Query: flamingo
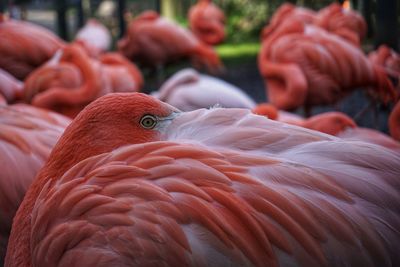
343, 22
27, 134
155, 41
320, 69
371, 136
72, 79
94, 37
135, 182
124, 75
189, 90
387, 58
347, 24
332, 122
25, 46
207, 22
10, 88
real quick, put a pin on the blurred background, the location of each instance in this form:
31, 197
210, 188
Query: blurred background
245, 20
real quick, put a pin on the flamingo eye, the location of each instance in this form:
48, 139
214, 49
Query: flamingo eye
148, 121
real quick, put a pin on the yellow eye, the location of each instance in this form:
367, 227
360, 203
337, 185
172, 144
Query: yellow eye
148, 121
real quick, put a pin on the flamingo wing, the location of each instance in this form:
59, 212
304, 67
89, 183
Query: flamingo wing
214, 202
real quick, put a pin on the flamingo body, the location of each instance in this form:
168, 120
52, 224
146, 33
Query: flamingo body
10, 88
72, 79
320, 69
188, 90
94, 37
27, 135
25, 46
255, 192
207, 22
155, 41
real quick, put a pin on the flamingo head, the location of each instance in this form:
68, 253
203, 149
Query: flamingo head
112, 121
266, 110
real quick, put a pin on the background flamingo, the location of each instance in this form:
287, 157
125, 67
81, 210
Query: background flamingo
155, 41
27, 134
264, 192
188, 90
72, 80
94, 37
320, 69
347, 24
25, 46
328, 122
10, 88
390, 60
207, 22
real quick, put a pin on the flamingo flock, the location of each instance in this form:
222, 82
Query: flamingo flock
94, 172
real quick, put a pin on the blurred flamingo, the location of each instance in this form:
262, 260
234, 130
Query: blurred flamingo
320, 69
10, 88
343, 22
94, 37
207, 22
134, 182
332, 122
283, 13
71, 80
27, 135
25, 46
189, 90
124, 75
347, 24
155, 41
390, 60
371, 136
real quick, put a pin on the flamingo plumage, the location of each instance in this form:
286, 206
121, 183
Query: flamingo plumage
27, 135
72, 79
321, 68
207, 22
135, 182
25, 46
331, 122
94, 37
10, 88
155, 41
189, 90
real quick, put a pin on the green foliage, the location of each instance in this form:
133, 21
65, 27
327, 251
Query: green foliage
245, 18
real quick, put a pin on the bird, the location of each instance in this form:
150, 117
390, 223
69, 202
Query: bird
207, 22
94, 37
27, 135
188, 90
10, 88
389, 59
321, 68
134, 181
370, 135
25, 46
347, 24
72, 79
332, 122
124, 75
155, 41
